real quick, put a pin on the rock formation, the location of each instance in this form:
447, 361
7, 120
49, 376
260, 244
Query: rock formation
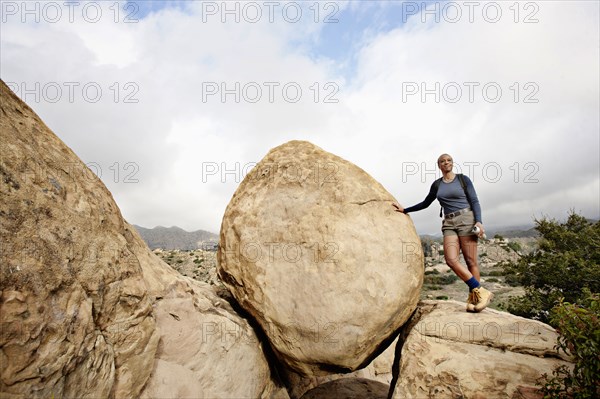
379, 370
446, 352
349, 388
311, 246
86, 310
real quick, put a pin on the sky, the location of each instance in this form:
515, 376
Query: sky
172, 103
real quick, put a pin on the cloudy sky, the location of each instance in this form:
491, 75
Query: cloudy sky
171, 103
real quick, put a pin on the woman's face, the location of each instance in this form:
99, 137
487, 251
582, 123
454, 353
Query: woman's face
445, 163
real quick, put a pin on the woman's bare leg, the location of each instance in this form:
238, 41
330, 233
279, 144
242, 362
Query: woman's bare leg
451, 255
468, 246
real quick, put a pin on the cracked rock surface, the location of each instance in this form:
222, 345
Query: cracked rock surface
311, 247
349, 388
446, 352
86, 310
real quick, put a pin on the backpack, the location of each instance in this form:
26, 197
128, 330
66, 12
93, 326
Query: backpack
461, 179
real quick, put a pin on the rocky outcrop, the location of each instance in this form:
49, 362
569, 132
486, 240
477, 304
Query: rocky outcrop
86, 310
446, 352
206, 350
311, 247
71, 283
379, 370
349, 388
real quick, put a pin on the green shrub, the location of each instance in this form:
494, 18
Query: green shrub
513, 281
442, 297
579, 329
440, 279
493, 273
434, 271
515, 246
567, 260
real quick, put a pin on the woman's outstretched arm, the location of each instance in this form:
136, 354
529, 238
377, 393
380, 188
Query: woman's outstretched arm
422, 205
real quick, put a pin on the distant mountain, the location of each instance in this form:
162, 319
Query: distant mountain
175, 237
430, 237
514, 232
522, 231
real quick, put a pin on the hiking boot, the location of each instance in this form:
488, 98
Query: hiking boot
481, 298
470, 303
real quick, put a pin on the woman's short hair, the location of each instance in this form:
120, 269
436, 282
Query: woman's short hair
440, 157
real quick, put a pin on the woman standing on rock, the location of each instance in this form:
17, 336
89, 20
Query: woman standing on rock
462, 213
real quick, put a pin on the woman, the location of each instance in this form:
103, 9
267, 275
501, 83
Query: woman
462, 213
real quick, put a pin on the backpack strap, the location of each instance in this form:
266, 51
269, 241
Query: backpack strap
461, 179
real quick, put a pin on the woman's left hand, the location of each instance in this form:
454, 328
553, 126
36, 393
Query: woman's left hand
398, 207
481, 230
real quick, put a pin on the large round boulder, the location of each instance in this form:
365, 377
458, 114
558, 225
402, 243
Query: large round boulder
311, 247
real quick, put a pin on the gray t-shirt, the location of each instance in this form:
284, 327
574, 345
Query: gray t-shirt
452, 198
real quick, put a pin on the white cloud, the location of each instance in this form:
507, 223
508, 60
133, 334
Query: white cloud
171, 133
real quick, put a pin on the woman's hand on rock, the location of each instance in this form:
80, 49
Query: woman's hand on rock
399, 208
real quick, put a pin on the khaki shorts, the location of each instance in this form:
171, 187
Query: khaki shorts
460, 225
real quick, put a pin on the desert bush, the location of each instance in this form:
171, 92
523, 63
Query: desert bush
492, 273
515, 246
513, 281
579, 329
566, 262
440, 279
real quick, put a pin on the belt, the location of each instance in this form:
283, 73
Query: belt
456, 213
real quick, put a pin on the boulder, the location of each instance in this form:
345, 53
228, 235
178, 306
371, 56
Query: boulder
349, 388
86, 310
379, 370
206, 350
449, 353
311, 247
